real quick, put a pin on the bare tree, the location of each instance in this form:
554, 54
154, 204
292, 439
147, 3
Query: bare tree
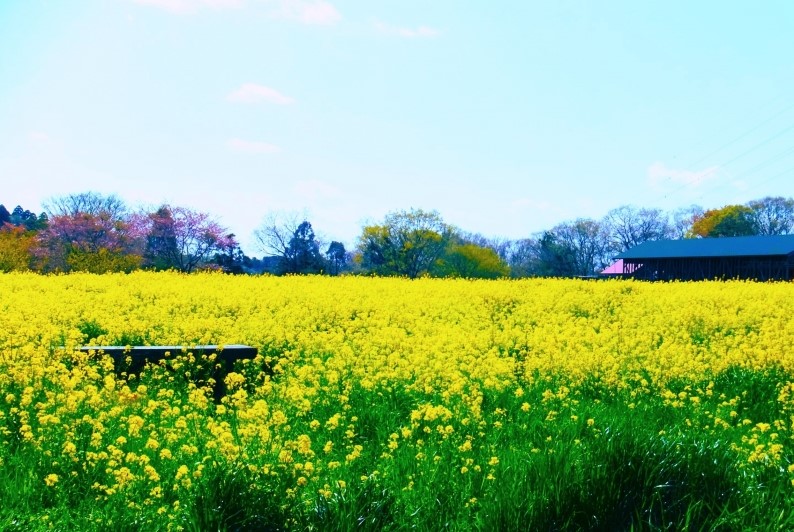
683, 219
629, 226
587, 244
522, 257
773, 215
274, 234
90, 203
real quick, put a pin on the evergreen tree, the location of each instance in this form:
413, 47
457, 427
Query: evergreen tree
336, 256
303, 252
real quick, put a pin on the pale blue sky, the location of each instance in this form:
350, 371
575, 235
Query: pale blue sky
506, 117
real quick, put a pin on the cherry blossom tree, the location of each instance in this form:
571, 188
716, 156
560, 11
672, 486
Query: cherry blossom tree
183, 239
95, 234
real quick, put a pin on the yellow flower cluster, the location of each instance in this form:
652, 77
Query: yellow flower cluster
446, 363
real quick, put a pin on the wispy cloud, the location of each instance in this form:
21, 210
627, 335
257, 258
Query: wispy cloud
660, 176
253, 93
250, 146
408, 33
182, 7
317, 12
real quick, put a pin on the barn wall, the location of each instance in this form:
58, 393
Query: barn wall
697, 269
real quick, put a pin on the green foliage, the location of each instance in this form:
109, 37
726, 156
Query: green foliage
554, 258
588, 458
336, 257
302, 254
16, 249
731, 220
408, 243
23, 218
472, 262
102, 261
127, 338
91, 330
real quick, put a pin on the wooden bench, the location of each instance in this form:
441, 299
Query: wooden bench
132, 359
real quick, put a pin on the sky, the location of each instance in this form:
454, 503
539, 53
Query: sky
507, 118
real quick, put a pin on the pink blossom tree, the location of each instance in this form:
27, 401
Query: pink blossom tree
90, 239
183, 239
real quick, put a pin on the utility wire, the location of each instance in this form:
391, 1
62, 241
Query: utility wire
743, 135
734, 159
778, 113
753, 170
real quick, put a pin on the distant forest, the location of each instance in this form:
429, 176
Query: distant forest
91, 232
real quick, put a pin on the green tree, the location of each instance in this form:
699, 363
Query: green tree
16, 248
336, 257
471, 261
232, 259
553, 258
23, 218
102, 260
731, 220
5, 216
161, 245
302, 254
407, 243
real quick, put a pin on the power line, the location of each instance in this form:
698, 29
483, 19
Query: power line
757, 167
734, 159
698, 176
743, 135
773, 178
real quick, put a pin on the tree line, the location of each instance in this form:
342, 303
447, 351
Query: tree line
99, 233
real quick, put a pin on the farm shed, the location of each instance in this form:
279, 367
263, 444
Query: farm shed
762, 258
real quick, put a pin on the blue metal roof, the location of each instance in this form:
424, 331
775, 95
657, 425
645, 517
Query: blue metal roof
738, 246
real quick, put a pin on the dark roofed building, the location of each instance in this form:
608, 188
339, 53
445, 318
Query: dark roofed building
761, 258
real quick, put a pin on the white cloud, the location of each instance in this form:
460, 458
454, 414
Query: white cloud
317, 12
408, 33
249, 146
659, 176
253, 93
189, 6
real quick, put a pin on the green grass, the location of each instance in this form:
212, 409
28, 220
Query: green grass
642, 463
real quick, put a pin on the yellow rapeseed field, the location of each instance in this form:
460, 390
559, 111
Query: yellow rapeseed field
375, 382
